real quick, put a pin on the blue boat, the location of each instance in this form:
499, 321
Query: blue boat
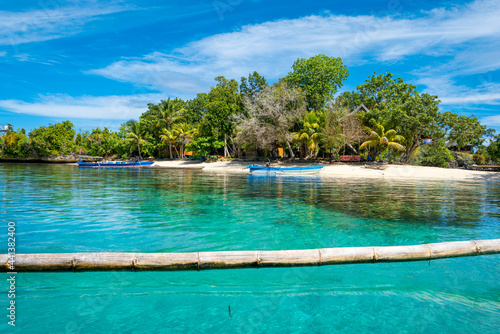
113, 164
310, 170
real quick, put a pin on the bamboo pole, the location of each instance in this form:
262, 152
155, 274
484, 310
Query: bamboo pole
243, 259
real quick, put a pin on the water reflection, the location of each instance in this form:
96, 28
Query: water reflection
430, 202
70, 209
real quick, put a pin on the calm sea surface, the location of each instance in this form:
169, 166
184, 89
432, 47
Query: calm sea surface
60, 209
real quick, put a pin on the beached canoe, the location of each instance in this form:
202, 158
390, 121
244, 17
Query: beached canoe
116, 164
310, 170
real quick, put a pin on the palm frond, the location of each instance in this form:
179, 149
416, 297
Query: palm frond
396, 146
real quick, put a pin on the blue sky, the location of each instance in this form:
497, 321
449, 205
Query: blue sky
98, 63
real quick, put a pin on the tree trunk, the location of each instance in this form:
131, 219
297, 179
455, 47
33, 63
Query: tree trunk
226, 151
290, 149
410, 153
139, 148
352, 148
170, 149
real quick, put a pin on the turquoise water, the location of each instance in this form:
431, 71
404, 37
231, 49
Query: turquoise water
65, 209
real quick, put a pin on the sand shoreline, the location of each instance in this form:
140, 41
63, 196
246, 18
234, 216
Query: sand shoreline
345, 170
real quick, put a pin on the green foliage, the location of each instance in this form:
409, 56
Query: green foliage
479, 159
253, 85
493, 149
380, 140
196, 108
462, 129
136, 133
54, 139
463, 159
15, 144
310, 132
203, 145
223, 102
98, 142
399, 106
320, 76
435, 155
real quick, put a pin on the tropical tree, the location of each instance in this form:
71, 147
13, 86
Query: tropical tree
379, 140
342, 128
320, 77
310, 132
170, 137
223, 102
269, 117
399, 106
463, 130
53, 139
165, 114
15, 144
253, 85
183, 132
135, 134
196, 108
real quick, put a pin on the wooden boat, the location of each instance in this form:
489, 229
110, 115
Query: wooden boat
310, 170
113, 164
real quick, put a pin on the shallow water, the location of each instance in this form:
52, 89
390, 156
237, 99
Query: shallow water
65, 209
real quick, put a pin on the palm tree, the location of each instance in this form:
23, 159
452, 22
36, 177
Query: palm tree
135, 133
183, 132
310, 133
169, 137
167, 113
379, 139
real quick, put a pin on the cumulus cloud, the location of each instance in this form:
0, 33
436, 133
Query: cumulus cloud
87, 107
51, 21
271, 47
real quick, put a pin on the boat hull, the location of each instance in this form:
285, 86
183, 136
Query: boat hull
118, 164
257, 170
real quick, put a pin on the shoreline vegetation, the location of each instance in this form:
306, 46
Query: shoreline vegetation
297, 117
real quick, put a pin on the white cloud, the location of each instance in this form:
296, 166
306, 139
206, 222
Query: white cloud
3, 53
271, 47
491, 120
87, 107
50, 22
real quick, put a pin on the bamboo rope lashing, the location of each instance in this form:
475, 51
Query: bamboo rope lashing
243, 259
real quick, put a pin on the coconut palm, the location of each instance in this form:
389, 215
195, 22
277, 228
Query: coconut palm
183, 131
135, 134
379, 140
310, 133
169, 136
167, 113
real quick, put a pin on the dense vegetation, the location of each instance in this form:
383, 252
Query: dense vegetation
299, 113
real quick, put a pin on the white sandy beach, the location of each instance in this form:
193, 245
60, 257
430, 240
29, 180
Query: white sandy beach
347, 170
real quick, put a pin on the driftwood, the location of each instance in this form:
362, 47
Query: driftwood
242, 259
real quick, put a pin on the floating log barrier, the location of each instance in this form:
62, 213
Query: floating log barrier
245, 259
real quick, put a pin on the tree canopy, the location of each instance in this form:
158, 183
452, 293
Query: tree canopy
320, 77
397, 105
